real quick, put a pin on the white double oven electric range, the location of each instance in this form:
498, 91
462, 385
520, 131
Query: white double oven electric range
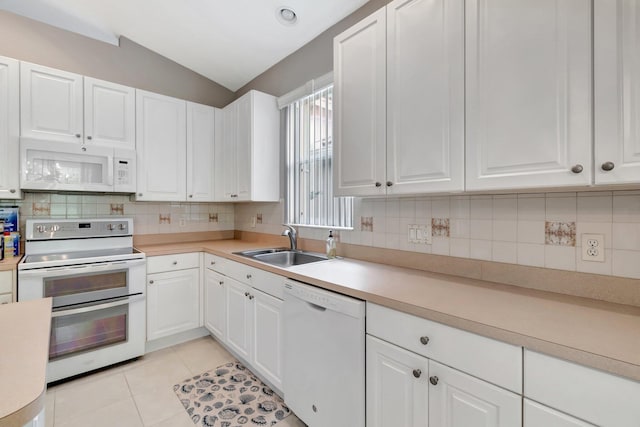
97, 281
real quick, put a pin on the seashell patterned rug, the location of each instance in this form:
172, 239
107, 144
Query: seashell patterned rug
230, 396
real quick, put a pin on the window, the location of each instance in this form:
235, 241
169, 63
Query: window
310, 198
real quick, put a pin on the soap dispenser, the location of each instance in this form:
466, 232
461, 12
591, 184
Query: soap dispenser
331, 245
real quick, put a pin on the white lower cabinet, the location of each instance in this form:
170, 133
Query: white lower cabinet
460, 400
408, 390
215, 310
536, 415
238, 317
173, 294
397, 386
267, 336
243, 310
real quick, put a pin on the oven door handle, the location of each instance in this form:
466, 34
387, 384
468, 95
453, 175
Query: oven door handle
92, 307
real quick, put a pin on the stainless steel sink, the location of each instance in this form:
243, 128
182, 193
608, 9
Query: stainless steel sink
282, 257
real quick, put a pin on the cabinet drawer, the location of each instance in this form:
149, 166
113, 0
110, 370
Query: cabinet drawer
215, 263
5, 298
267, 282
485, 358
6, 281
594, 396
157, 264
241, 272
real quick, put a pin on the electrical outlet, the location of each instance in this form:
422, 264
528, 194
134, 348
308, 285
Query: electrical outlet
183, 222
253, 221
593, 247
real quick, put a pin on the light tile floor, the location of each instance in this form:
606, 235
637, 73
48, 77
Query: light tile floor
138, 393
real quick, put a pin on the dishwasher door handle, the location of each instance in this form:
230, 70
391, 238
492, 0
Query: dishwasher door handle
316, 306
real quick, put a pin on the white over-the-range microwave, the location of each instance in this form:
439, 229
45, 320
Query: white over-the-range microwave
63, 166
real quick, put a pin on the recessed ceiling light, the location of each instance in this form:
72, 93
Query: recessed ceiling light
286, 15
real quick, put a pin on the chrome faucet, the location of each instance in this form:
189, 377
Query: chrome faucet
293, 236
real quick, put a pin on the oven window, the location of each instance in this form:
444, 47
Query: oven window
76, 333
80, 283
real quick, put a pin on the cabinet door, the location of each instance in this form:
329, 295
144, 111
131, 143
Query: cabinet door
528, 93
359, 105
397, 386
50, 104
536, 415
460, 400
617, 91
9, 129
425, 96
109, 114
239, 318
215, 315
226, 174
200, 152
244, 135
161, 147
267, 337
172, 302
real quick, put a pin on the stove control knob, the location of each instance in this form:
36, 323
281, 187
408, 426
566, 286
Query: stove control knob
121, 226
41, 228
55, 228
111, 227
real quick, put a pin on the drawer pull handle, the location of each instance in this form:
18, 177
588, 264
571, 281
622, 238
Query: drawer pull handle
424, 340
251, 297
433, 380
151, 282
417, 373
248, 276
246, 294
175, 262
221, 283
378, 184
213, 262
608, 166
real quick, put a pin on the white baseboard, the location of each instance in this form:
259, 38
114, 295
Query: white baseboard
179, 338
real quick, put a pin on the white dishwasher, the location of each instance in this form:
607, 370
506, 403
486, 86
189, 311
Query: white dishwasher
324, 356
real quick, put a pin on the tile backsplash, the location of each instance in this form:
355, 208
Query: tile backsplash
148, 217
541, 229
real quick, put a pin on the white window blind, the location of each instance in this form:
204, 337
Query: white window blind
310, 198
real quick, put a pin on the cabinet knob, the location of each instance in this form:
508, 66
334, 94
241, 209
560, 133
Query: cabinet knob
221, 283
248, 276
213, 262
577, 168
13, 190
246, 294
139, 194
424, 340
433, 380
378, 184
417, 373
151, 282
78, 135
84, 148
251, 297
608, 166
389, 183
175, 262
191, 196
89, 138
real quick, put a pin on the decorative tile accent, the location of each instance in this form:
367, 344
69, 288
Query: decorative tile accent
117, 208
560, 233
366, 223
213, 217
440, 227
164, 218
41, 209
259, 218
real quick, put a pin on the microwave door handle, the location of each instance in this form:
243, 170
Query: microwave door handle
90, 308
110, 166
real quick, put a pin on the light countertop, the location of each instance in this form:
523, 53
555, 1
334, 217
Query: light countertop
24, 334
10, 263
598, 334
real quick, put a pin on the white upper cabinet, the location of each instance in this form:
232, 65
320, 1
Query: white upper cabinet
109, 114
425, 96
359, 105
201, 128
399, 100
161, 147
528, 93
9, 129
247, 165
50, 104
617, 91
